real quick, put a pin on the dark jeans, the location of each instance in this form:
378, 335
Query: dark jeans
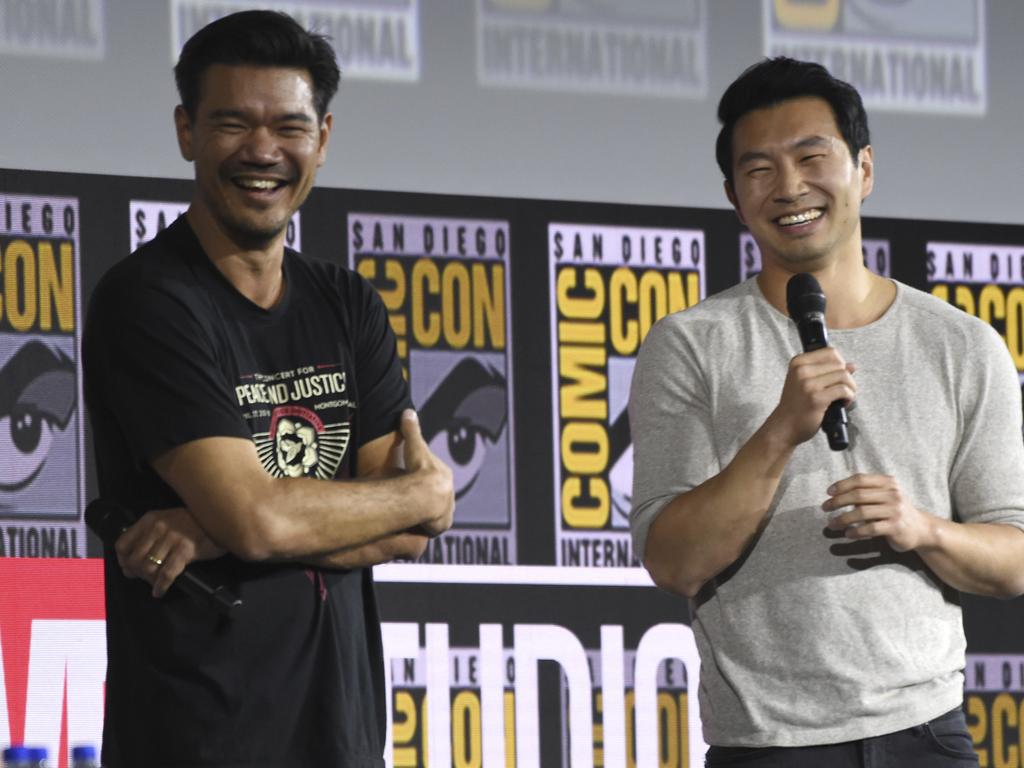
941, 743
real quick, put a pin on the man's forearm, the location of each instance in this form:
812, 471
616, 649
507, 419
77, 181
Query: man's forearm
306, 518
259, 517
408, 545
703, 531
979, 558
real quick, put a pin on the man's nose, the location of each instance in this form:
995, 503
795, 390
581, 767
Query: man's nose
261, 147
790, 184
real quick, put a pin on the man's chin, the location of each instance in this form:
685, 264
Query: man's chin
802, 258
254, 236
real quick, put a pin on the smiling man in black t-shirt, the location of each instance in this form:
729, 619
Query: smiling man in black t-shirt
230, 381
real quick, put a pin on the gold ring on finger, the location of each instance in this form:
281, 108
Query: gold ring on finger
155, 560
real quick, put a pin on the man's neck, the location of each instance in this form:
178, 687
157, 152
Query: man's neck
855, 295
255, 272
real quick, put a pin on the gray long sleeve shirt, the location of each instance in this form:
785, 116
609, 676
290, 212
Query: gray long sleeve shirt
811, 638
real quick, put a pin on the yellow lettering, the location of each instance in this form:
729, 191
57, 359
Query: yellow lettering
668, 715
19, 256
392, 287
1004, 713
801, 14
404, 729
367, 268
692, 289
425, 280
684, 730
467, 749
979, 727
580, 307
991, 304
1014, 320
676, 294
630, 722
489, 306
655, 294
585, 447
585, 502
579, 332
582, 396
471, 302
622, 290
653, 300
56, 287
455, 304
510, 730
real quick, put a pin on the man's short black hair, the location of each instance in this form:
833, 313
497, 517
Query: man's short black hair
773, 81
262, 39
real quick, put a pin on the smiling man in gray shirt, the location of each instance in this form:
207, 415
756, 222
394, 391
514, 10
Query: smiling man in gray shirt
824, 584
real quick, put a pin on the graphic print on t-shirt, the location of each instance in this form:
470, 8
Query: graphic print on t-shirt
299, 444
300, 419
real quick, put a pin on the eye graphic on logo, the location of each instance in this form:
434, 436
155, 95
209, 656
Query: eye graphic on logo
37, 395
462, 416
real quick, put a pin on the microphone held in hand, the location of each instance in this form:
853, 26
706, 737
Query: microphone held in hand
805, 302
109, 520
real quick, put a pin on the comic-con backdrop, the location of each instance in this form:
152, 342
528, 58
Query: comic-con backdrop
527, 635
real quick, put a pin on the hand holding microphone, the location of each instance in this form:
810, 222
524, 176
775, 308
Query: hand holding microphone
826, 375
111, 521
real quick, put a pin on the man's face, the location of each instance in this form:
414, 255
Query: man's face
796, 187
256, 144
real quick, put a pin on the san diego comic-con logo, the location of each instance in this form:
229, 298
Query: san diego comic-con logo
42, 450
299, 444
445, 284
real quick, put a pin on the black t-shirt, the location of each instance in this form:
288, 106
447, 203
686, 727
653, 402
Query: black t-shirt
173, 353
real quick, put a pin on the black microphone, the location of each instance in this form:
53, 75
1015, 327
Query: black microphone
806, 304
109, 520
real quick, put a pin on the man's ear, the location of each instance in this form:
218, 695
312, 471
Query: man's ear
731, 195
183, 127
866, 169
325, 136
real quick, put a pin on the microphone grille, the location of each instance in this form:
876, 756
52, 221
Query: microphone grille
803, 295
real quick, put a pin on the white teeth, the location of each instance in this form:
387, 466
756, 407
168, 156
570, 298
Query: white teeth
800, 218
257, 183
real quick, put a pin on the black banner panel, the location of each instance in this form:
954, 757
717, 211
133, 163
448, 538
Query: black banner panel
527, 634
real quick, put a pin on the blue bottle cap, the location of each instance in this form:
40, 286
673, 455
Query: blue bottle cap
85, 752
16, 753
38, 754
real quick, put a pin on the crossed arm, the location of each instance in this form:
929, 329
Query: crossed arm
233, 505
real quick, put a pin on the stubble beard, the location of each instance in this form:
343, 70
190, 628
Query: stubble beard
249, 229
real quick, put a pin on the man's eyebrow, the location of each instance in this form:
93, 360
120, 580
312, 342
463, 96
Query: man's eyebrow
290, 117
751, 156
238, 114
807, 142
218, 114
812, 141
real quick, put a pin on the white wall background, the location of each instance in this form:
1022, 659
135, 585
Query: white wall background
107, 109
